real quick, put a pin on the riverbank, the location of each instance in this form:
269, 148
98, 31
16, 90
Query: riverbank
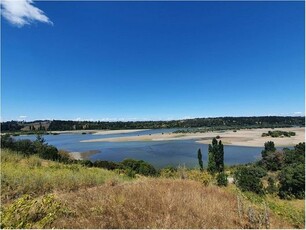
99, 132
245, 137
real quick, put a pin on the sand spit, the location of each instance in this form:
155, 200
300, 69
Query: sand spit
98, 132
245, 137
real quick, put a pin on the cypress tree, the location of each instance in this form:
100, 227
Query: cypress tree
200, 159
215, 157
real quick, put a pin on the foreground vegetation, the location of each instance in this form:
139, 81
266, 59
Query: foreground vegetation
39, 193
42, 187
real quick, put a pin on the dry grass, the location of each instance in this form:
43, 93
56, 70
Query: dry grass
154, 203
151, 203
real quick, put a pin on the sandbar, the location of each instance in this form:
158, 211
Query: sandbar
243, 137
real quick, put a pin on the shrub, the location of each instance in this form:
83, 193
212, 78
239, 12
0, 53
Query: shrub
139, 167
292, 181
168, 172
26, 212
249, 179
106, 164
25, 147
273, 160
295, 156
222, 179
272, 188
204, 177
49, 152
86, 163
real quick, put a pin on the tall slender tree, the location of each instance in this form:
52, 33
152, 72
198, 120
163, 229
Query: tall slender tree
215, 156
200, 159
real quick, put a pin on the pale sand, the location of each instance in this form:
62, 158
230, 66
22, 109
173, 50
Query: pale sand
76, 155
99, 132
245, 137
104, 132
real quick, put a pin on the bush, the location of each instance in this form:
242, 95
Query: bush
27, 212
249, 178
273, 160
222, 179
168, 172
292, 181
139, 167
49, 152
107, 165
204, 177
272, 188
295, 156
26, 147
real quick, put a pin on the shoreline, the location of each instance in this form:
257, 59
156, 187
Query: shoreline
243, 137
99, 131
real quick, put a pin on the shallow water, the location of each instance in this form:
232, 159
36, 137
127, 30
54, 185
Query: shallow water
158, 153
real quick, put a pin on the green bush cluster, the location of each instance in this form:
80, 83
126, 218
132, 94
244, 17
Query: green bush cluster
28, 147
288, 166
278, 133
222, 179
248, 178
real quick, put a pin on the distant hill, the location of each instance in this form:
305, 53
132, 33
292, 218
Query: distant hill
226, 122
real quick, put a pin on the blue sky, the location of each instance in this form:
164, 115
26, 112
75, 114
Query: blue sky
154, 60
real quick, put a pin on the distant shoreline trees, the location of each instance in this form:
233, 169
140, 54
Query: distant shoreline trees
187, 125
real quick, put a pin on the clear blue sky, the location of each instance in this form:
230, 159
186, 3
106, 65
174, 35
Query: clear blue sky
155, 60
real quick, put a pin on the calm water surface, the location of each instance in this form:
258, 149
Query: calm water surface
158, 153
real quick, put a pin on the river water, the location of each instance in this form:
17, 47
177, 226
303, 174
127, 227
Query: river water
158, 153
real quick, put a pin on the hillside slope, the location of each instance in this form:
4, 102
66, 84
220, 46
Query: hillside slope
38, 193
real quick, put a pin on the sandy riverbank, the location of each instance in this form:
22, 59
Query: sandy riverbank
246, 137
99, 132
83, 155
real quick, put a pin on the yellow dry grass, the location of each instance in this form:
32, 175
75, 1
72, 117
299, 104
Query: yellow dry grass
154, 203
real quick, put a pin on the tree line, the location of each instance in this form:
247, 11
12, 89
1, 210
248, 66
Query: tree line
218, 122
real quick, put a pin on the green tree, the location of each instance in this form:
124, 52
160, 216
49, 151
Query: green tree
292, 181
222, 179
249, 179
215, 157
269, 147
200, 159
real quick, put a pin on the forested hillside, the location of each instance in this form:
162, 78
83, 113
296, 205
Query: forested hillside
219, 122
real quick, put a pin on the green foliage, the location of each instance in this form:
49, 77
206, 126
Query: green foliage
27, 212
272, 188
211, 123
295, 156
292, 181
278, 133
215, 157
168, 172
248, 178
139, 167
203, 177
273, 161
222, 179
200, 159
107, 165
269, 147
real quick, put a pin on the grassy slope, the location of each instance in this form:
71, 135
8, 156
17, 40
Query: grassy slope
35, 176
97, 198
